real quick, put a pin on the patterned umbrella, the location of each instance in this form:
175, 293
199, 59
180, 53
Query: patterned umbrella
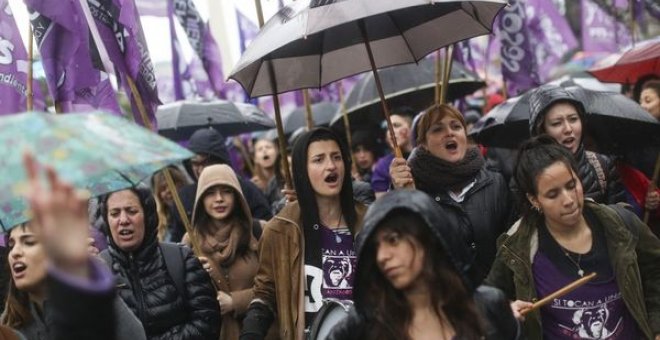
96, 151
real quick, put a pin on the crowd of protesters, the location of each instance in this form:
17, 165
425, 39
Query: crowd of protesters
450, 241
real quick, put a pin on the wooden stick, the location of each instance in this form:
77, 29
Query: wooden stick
438, 75
379, 87
447, 73
562, 291
30, 92
288, 182
309, 118
652, 186
347, 126
246, 155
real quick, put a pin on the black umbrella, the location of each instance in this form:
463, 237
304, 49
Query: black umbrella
411, 85
179, 120
613, 122
312, 43
321, 112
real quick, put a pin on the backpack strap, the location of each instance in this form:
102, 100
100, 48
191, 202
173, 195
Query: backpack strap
600, 173
628, 218
173, 256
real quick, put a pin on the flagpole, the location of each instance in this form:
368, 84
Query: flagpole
309, 118
632, 21
30, 92
105, 59
347, 124
438, 73
276, 105
445, 81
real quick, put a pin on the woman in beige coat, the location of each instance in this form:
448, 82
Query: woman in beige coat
222, 224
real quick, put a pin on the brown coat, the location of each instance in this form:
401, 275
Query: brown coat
279, 281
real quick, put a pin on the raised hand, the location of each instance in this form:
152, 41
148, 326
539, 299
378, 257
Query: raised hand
61, 219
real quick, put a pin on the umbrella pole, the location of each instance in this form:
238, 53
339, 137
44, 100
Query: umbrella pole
347, 126
379, 87
447, 73
30, 93
309, 118
653, 185
288, 183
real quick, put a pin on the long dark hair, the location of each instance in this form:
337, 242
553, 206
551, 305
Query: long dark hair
148, 204
447, 291
304, 190
535, 155
17, 313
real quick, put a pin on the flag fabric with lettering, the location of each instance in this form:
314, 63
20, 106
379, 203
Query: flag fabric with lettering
601, 32
14, 67
519, 68
157, 8
201, 40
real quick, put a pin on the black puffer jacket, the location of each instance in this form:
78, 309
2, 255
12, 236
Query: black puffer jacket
491, 303
145, 285
485, 213
611, 190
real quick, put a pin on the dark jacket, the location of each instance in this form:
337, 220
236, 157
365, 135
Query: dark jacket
491, 303
485, 213
147, 288
211, 143
634, 259
66, 314
603, 187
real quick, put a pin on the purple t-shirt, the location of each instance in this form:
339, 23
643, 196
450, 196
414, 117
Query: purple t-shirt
593, 311
380, 178
339, 262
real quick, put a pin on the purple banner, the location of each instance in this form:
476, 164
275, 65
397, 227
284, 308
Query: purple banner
14, 67
200, 38
63, 40
247, 30
519, 68
121, 32
600, 31
176, 56
550, 35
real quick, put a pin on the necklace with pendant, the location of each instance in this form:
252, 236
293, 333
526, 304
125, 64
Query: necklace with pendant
580, 272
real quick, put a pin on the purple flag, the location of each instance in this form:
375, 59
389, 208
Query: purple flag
600, 31
13, 67
176, 57
247, 30
121, 32
550, 35
519, 68
200, 38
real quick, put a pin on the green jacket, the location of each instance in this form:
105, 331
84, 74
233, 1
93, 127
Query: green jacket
635, 260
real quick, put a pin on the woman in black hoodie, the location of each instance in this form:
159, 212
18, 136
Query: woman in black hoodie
411, 260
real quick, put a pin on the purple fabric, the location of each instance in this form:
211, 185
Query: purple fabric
176, 59
14, 67
600, 31
593, 311
100, 280
519, 68
380, 178
247, 30
121, 32
339, 263
197, 80
549, 34
200, 38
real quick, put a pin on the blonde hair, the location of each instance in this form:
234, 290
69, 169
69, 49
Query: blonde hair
162, 210
434, 114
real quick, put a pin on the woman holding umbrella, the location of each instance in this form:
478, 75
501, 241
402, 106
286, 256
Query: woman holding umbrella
300, 244
453, 174
411, 259
561, 237
555, 112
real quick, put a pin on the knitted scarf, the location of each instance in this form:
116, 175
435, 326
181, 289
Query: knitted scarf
433, 175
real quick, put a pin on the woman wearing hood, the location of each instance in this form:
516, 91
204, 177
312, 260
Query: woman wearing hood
300, 244
555, 112
445, 167
222, 224
411, 259
564, 236
170, 305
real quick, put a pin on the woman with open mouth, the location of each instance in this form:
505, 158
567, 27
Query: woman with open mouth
564, 236
555, 112
298, 244
453, 174
223, 226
